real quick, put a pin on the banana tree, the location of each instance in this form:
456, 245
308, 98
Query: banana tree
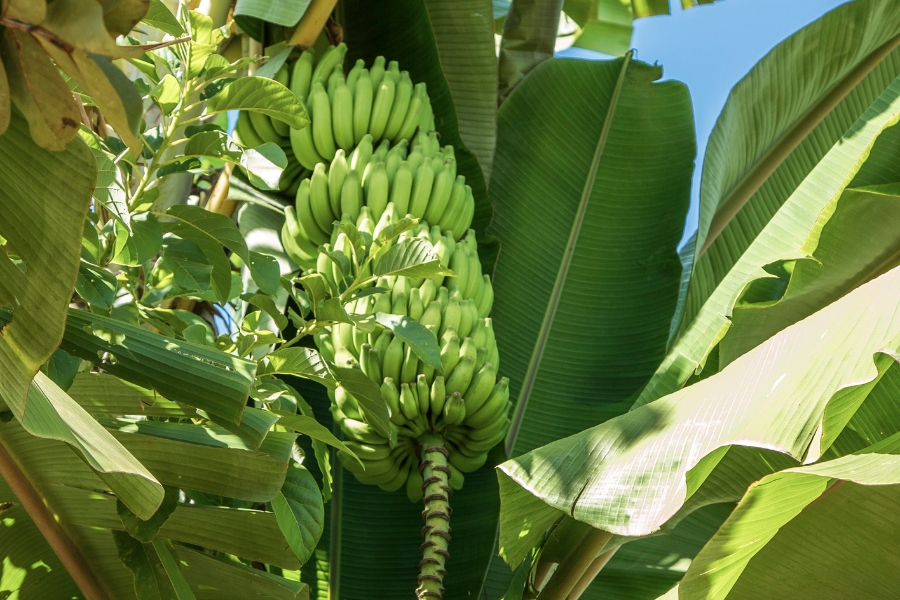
191, 337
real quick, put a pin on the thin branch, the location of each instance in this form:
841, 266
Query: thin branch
52, 531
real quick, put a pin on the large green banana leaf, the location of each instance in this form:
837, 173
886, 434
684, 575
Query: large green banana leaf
779, 122
203, 459
590, 187
40, 233
449, 45
645, 470
793, 233
827, 530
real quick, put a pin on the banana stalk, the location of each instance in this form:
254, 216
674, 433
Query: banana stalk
436, 497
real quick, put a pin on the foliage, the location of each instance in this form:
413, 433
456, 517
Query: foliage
692, 424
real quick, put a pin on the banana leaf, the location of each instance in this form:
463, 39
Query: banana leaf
780, 121
780, 541
647, 469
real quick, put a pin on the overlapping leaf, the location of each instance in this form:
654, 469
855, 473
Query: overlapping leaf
632, 474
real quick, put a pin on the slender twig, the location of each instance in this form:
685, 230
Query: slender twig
59, 541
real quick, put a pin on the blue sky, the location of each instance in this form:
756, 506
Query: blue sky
710, 48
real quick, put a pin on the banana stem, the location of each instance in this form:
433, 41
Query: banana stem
575, 565
436, 488
312, 22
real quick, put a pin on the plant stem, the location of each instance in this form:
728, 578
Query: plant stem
575, 565
436, 473
62, 544
591, 573
312, 22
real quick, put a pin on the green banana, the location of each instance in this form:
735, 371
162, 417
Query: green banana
414, 491
409, 405
469, 211
391, 395
454, 409
467, 464
360, 431
411, 120
392, 360
451, 315
400, 479
423, 394
347, 404
402, 97
487, 299
461, 376
351, 195
401, 189
323, 136
305, 215
381, 108
466, 318
342, 116
410, 365
332, 58
337, 172
264, 128
360, 157
416, 309
486, 444
459, 264
363, 96
377, 190
376, 72
480, 388
497, 404
488, 431
296, 243
304, 148
450, 355
301, 75
440, 192
318, 199
353, 75
246, 134
369, 452
421, 190
437, 396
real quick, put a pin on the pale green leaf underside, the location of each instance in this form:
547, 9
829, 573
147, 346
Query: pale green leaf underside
785, 237
630, 475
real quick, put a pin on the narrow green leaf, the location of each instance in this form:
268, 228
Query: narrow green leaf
159, 16
145, 530
96, 285
309, 426
203, 377
302, 362
368, 394
411, 258
279, 13
413, 333
261, 95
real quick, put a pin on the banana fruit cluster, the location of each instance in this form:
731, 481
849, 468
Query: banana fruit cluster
421, 183
464, 399
380, 102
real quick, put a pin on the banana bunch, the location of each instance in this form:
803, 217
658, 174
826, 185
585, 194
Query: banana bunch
253, 129
380, 101
464, 399
420, 184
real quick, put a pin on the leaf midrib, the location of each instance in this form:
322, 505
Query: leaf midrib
556, 293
